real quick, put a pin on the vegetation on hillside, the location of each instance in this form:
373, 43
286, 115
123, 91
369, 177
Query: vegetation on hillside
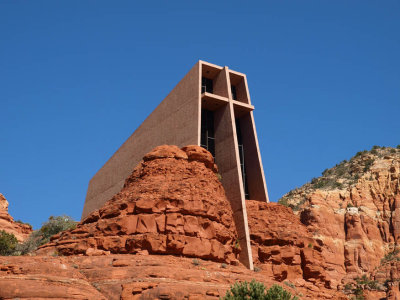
361, 284
342, 176
9, 244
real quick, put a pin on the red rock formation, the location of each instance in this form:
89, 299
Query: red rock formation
7, 223
358, 218
284, 248
129, 277
173, 203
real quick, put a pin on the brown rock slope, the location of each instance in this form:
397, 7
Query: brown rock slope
354, 208
173, 203
7, 223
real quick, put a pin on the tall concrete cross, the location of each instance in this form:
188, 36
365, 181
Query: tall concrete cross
209, 107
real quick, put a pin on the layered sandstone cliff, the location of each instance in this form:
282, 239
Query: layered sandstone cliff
131, 277
7, 223
354, 208
284, 249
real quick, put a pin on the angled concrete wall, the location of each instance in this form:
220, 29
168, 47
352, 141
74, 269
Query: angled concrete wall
173, 122
254, 168
177, 121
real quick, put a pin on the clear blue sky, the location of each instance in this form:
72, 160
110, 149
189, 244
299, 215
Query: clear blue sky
78, 77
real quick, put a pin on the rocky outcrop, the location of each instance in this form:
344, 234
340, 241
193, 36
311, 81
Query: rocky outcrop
169, 234
43, 277
173, 203
119, 276
354, 208
7, 223
3, 203
285, 249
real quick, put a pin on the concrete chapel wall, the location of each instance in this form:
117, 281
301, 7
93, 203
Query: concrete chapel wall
173, 122
177, 121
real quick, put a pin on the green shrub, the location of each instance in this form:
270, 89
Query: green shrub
298, 205
359, 153
359, 293
55, 225
348, 287
320, 183
390, 256
398, 147
392, 150
368, 164
237, 244
283, 201
363, 283
326, 172
341, 169
363, 280
374, 285
256, 291
338, 185
42, 236
30, 244
8, 243
276, 292
196, 262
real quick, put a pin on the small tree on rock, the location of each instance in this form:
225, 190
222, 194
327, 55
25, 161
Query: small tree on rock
257, 291
8, 243
42, 236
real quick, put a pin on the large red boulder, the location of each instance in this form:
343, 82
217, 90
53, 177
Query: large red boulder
173, 203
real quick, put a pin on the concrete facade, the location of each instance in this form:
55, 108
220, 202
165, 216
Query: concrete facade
177, 121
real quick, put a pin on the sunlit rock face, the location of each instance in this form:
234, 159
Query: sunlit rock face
354, 208
173, 203
7, 223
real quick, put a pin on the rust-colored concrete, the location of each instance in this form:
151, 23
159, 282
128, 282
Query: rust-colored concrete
177, 121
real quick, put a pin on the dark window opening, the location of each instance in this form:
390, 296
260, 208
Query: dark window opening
206, 85
207, 140
233, 90
241, 156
